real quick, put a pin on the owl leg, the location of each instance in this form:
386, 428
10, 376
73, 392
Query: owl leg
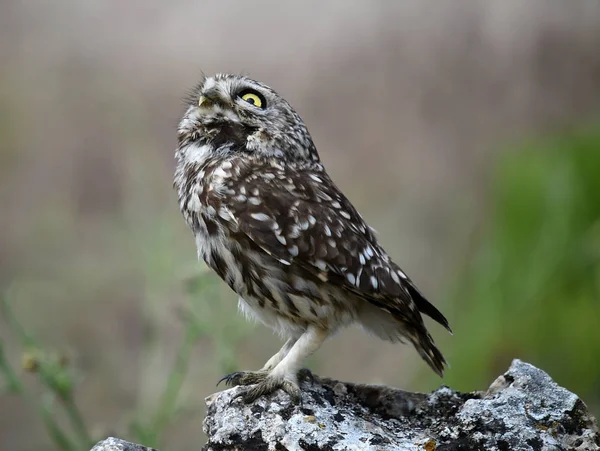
285, 373
253, 377
273, 361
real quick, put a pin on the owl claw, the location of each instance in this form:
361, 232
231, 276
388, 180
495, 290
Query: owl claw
230, 378
243, 378
268, 386
306, 375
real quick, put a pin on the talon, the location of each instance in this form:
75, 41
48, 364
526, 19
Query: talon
231, 379
243, 378
304, 374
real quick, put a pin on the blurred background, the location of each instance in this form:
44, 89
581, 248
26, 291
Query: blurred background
467, 133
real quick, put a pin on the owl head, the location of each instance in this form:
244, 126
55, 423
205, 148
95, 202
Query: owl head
233, 113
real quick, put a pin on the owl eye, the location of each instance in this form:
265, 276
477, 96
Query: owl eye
253, 98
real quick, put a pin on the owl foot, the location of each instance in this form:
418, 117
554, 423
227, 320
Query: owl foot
268, 386
306, 375
243, 378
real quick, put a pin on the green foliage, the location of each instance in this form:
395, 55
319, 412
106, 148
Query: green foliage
59, 380
532, 289
53, 373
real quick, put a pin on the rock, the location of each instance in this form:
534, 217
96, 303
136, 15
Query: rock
524, 409
116, 444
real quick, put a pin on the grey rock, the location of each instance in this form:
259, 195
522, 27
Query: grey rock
116, 444
524, 409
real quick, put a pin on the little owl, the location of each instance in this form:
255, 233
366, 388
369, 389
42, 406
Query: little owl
270, 222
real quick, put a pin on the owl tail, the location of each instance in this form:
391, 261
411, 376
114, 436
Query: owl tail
427, 307
397, 328
428, 351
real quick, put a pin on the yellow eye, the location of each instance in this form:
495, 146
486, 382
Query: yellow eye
253, 98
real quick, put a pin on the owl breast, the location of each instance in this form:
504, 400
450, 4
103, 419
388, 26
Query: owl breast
280, 295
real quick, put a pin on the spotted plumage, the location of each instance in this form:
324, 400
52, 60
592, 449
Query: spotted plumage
271, 223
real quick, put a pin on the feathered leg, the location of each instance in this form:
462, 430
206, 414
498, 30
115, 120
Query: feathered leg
285, 374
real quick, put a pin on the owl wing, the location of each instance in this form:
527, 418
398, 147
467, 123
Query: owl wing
299, 216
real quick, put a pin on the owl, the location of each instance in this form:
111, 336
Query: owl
268, 219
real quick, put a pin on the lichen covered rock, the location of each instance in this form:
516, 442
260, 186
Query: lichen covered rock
116, 444
522, 410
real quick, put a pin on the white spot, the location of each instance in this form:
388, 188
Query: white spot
227, 165
254, 200
224, 213
321, 265
401, 273
336, 204
374, 282
293, 250
304, 225
219, 172
315, 178
255, 191
260, 216
281, 239
331, 243
241, 198
294, 231
345, 214
243, 190
268, 175
369, 252
312, 219
395, 277
362, 259
351, 278
327, 230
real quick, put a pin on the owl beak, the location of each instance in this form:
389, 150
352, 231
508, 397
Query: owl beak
204, 102
211, 97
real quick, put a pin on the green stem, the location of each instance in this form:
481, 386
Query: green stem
60, 439
168, 400
77, 422
14, 384
11, 319
55, 432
